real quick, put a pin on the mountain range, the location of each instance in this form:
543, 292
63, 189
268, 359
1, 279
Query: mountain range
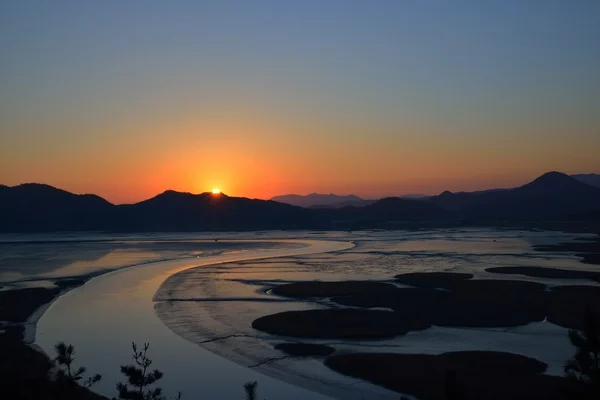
552, 195
42, 208
590, 179
321, 200
317, 200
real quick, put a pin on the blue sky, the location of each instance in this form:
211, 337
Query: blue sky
87, 87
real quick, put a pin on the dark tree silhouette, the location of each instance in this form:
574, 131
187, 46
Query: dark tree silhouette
250, 388
140, 378
584, 367
66, 372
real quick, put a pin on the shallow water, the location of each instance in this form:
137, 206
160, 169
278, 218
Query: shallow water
102, 317
38, 258
213, 306
206, 304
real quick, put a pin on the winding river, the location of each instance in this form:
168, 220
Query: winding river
104, 316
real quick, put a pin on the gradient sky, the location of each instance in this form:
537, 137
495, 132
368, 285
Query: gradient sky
129, 98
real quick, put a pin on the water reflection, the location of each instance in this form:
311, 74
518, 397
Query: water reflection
48, 259
206, 305
220, 301
104, 316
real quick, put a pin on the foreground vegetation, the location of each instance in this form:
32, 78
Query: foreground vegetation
28, 374
34, 376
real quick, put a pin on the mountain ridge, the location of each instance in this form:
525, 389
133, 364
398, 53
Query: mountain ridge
590, 179
40, 207
317, 199
549, 195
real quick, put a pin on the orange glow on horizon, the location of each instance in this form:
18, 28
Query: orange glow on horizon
216, 191
255, 157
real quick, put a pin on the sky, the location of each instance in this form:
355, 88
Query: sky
127, 99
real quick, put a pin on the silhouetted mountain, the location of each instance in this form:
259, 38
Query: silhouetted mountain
413, 196
316, 200
34, 206
350, 203
29, 208
362, 203
590, 179
589, 215
552, 195
172, 211
319, 200
396, 209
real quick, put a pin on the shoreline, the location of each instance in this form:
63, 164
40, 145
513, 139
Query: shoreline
30, 324
138, 285
438, 339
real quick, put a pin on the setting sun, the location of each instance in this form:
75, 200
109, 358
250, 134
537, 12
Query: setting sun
216, 191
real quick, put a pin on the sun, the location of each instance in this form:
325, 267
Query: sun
216, 191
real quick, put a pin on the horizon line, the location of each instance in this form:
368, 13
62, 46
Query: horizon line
289, 194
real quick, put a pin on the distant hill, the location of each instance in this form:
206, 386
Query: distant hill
318, 200
396, 209
32, 206
349, 203
590, 179
171, 211
41, 208
552, 195
362, 203
413, 196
